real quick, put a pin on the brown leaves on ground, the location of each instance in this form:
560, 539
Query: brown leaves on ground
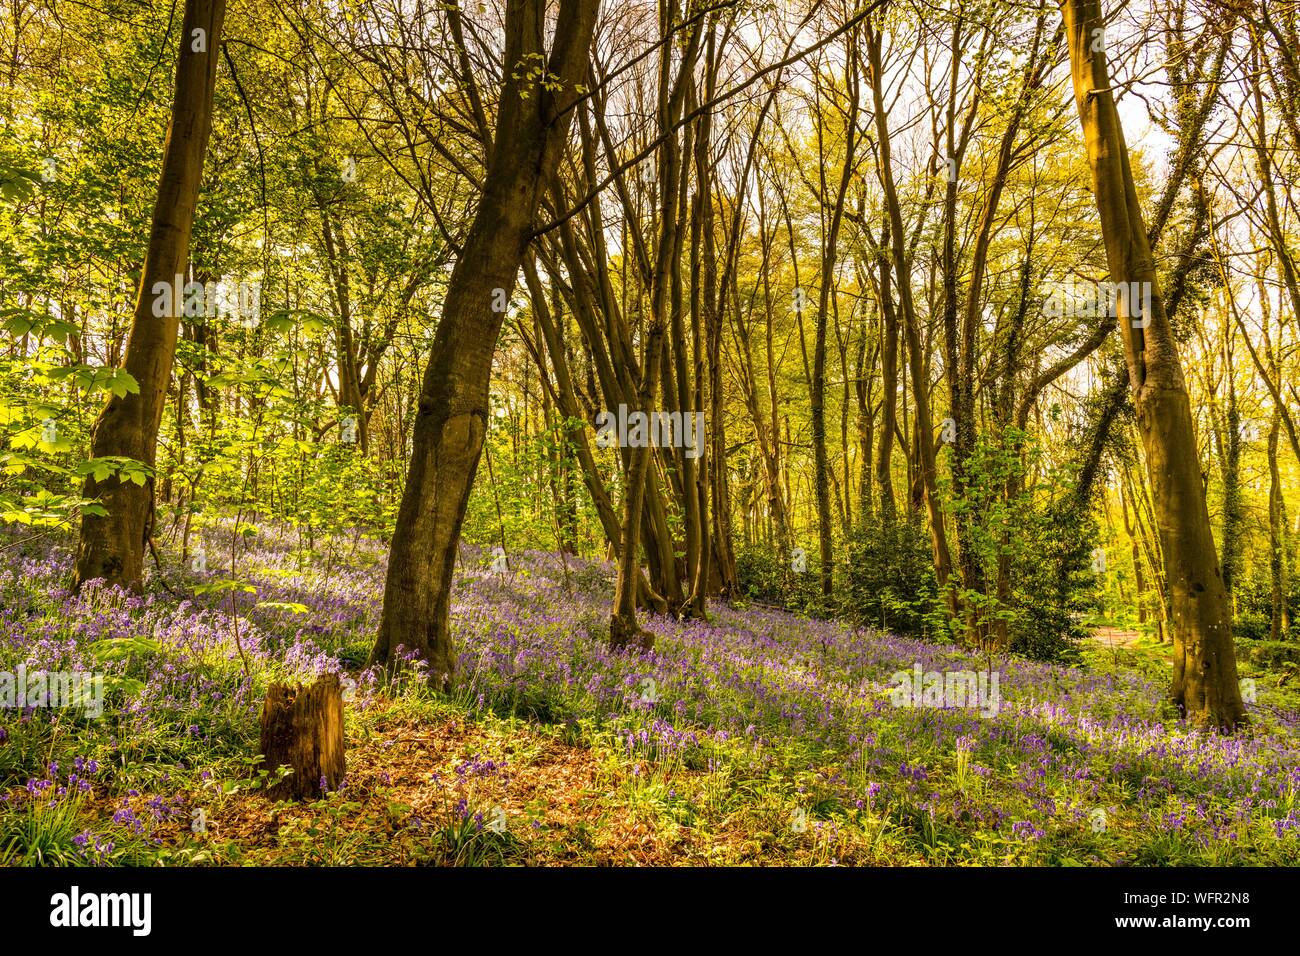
403, 787
530, 798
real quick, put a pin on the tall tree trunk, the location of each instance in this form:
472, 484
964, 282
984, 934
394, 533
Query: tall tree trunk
1233, 541
889, 397
349, 371
817, 384
1279, 619
624, 631
112, 547
1139, 579
925, 488
1205, 685
451, 421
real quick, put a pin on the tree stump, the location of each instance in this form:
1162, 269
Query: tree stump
302, 728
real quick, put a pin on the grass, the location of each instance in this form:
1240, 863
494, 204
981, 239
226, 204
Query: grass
754, 738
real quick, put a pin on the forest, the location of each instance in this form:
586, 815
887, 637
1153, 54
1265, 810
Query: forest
659, 433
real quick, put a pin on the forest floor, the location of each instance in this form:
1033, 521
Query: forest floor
757, 737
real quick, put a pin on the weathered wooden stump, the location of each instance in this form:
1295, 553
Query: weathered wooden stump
302, 728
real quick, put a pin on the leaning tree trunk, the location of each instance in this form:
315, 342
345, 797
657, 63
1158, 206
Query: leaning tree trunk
451, 422
1205, 685
112, 547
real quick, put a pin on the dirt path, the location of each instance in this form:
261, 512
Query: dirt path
1115, 637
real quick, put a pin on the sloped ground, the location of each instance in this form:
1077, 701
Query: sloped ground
757, 737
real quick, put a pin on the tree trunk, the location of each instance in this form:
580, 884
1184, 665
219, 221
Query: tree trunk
451, 422
1279, 622
113, 546
624, 631
1205, 687
925, 487
1229, 442
889, 409
1139, 579
817, 384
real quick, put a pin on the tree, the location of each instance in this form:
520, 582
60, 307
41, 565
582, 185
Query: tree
1205, 685
538, 93
112, 545
817, 386
624, 631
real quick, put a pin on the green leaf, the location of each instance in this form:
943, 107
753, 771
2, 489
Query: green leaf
121, 648
223, 586
121, 383
128, 685
292, 606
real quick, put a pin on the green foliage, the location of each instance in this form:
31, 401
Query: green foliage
42, 834
1254, 598
533, 481
769, 578
1033, 535
890, 576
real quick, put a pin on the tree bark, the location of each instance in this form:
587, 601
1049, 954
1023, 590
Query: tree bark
817, 383
889, 397
1205, 687
926, 483
302, 728
451, 422
112, 547
1279, 616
